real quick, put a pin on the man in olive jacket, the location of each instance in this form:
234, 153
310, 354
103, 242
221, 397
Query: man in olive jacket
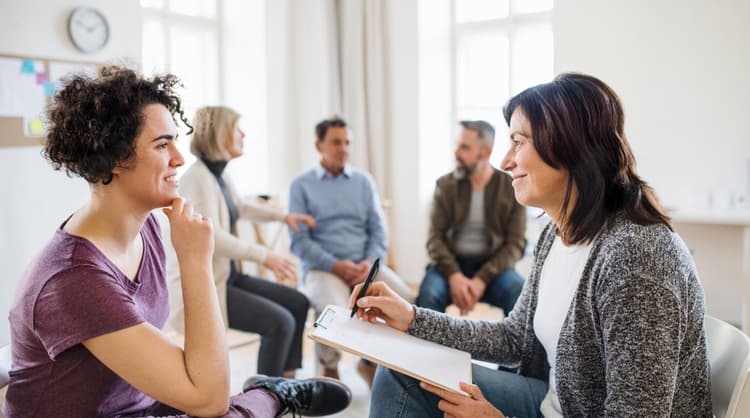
477, 231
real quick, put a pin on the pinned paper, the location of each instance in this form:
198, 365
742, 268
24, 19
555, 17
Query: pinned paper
27, 66
41, 78
36, 126
49, 88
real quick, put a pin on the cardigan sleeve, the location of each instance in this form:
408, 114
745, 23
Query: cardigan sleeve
493, 341
201, 190
252, 211
642, 328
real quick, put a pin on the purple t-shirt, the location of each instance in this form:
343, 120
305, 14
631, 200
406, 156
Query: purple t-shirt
69, 294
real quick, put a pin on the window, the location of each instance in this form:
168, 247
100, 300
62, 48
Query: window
500, 48
182, 37
217, 48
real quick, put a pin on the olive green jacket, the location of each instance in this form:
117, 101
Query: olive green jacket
504, 218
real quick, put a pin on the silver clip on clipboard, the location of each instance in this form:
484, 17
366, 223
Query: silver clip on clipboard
325, 319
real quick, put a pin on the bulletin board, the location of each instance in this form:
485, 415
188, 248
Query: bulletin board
26, 86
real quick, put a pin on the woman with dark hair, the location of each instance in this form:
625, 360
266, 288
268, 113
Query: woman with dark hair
251, 304
610, 321
85, 323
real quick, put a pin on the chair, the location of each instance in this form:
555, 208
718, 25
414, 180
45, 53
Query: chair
729, 357
5, 360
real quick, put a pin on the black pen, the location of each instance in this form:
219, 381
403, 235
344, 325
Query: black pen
370, 278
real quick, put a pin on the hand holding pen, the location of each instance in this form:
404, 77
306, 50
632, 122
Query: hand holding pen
370, 277
379, 301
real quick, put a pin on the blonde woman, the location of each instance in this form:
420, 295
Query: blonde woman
274, 311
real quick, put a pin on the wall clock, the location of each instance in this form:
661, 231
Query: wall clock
88, 29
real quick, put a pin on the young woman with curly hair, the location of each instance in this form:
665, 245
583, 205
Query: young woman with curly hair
86, 320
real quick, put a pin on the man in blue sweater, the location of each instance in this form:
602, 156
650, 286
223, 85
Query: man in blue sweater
349, 234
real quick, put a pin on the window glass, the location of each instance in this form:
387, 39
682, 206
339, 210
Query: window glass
531, 6
198, 8
198, 70
482, 69
154, 51
152, 4
473, 10
532, 56
499, 51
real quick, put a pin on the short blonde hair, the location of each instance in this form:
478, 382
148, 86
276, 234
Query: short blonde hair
211, 126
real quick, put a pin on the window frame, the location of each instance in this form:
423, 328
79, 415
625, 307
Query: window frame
170, 19
510, 25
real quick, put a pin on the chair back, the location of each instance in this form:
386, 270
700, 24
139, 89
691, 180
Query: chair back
5, 360
729, 357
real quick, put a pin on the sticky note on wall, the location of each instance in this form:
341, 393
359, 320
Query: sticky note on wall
36, 127
49, 88
27, 66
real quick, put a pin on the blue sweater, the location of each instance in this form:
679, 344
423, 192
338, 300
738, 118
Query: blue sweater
348, 216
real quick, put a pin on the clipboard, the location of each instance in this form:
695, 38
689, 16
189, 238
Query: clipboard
423, 360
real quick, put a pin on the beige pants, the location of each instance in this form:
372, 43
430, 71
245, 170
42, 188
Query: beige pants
324, 288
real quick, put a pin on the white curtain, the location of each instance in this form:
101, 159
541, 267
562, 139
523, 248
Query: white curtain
363, 63
329, 57
357, 59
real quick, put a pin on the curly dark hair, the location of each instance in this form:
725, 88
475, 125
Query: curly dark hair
93, 122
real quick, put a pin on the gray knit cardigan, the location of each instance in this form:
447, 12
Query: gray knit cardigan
632, 343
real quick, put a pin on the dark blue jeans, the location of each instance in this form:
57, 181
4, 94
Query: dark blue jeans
395, 395
502, 291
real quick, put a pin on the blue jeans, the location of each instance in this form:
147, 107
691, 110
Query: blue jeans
395, 395
503, 290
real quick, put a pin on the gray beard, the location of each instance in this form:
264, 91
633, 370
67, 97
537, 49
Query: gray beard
460, 173
464, 172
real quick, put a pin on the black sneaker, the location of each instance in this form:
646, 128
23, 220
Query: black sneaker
314, 397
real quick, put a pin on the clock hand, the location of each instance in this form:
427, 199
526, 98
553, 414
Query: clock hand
84, 26
95, 26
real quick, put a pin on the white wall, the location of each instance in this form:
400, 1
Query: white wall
408, 215
36, 199
681, 68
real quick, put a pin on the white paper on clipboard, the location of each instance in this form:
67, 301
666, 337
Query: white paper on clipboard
423, 360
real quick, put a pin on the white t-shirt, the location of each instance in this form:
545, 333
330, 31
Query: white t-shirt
557, 286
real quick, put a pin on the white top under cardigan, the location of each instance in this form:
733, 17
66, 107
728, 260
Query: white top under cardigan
558, 283
201, 190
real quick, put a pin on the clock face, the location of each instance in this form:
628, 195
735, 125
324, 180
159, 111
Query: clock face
88, 29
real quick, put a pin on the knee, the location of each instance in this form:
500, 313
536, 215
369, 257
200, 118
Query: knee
387, 379
515, 283
433, 292
429, 298
300, 306
284, 323
510, 282
508, 289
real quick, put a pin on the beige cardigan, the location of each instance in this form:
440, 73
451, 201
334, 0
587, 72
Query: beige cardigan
200, 189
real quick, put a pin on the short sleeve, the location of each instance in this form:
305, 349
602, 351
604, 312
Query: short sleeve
80, 303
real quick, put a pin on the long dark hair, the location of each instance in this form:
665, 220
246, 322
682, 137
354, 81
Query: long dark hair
577, 123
